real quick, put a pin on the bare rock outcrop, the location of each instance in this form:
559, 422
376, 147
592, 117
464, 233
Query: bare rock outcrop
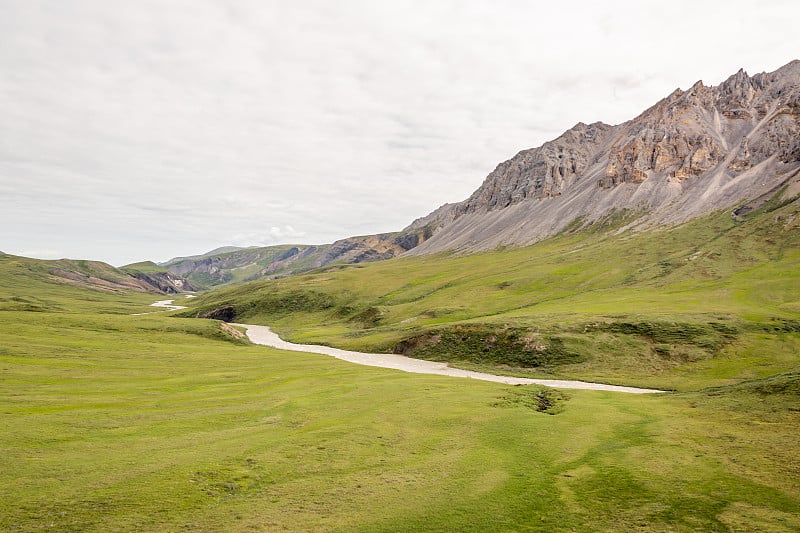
543, 172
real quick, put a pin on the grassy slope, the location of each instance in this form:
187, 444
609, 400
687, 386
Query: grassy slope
712, 302
141, 423
27, 285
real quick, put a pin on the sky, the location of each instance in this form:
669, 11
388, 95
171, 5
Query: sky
152, 129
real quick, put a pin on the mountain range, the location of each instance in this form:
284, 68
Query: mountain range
247, 264
731, 146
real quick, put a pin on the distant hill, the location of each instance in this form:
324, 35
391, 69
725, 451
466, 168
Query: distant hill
158, 277
247, 264
733, 146
94, 275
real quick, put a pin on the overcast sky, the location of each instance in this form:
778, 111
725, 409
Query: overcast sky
158, 128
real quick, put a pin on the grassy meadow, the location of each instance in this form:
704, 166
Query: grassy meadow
116, 422
150, 423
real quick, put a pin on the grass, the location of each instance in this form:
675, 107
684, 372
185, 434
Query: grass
150, 423
669, 309
114, 422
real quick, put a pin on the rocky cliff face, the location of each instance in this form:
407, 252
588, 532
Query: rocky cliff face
694, 152
165, 282
544, 172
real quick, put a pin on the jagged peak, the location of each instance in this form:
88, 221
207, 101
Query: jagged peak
791, 67
696, 87
739, 78
596, 124
583, 125
583, 130
787, 74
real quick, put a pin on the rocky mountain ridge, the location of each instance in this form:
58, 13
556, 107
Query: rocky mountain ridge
247, 264
694, 152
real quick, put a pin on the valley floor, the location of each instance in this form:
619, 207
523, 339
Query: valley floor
115, 422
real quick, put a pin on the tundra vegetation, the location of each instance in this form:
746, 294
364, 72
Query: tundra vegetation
115, 422
711, 302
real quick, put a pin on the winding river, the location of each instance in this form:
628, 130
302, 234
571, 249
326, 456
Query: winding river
264, 336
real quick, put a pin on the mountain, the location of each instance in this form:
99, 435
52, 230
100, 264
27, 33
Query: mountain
692, 153
247, 264
733, 146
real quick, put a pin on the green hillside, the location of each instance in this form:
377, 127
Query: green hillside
35, 285
711, 302
115, 422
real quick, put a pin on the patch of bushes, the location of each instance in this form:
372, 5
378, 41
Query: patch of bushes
440, 311
540, 399
711, 336
24, 306
368, 318
516, 347
781, 325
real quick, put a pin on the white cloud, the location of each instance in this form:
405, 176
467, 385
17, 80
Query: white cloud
275, 235
149, 129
